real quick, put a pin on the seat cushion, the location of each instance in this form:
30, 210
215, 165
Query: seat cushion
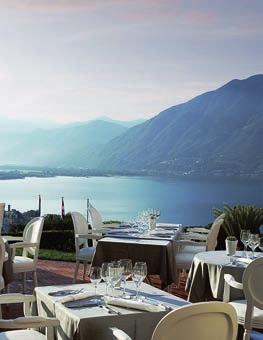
22, 335
241, 306
23, 264
86, 253
256, 336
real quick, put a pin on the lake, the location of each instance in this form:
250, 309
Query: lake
180, 200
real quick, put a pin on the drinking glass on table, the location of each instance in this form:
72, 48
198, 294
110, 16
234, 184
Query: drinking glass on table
244, 237
138, 275
126, 265
254, 242
115, 271
105, 275
95, 277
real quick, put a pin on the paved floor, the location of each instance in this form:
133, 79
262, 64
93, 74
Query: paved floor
59, 272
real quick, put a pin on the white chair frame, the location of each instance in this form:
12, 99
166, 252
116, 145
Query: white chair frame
199, 321
82, 235
29, 247
28, 321
252, 287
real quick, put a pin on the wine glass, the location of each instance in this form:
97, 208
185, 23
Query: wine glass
95, 277
105, 275
126, 265
138, 275
254, 242
244, 237
115, 272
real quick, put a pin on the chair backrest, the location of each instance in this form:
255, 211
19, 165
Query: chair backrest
252, 286
2, 254
80, 227
2, 212
95, 217
211, 241
32, 233
199, 321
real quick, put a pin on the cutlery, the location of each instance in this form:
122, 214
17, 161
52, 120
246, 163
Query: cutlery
109, 309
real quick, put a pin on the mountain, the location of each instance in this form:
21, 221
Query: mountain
73, 146
126, 123
218, 132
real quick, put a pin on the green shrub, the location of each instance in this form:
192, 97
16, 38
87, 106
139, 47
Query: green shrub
237, 218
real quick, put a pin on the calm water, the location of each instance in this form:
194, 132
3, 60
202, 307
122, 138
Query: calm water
182, 201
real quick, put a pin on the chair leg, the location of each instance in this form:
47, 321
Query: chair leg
24, 283
76, 272
84, 270
35, 278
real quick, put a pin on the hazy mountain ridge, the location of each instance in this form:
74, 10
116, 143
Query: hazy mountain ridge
63, 146
216, 132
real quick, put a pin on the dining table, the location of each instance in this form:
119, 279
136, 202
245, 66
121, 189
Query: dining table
80, 320
206, 276
155, 247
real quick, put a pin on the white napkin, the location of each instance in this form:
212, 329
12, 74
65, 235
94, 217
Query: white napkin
244, 260
140, 305
76, 297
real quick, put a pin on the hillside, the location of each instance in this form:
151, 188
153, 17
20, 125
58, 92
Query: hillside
218, 132
73, 146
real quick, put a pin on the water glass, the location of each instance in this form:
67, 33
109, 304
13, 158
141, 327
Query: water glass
95, 277
254, 242
244, 237
115, 272
126, 265
138, 275
105, 275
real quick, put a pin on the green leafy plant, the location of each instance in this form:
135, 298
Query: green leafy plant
240, 217
231, 238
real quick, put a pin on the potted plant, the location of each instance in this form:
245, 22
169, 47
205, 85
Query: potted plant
231, 245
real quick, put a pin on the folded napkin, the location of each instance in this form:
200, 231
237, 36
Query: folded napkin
244, 260
77, 297
140, 305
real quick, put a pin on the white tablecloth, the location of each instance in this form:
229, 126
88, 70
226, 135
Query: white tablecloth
93, 323
206, 276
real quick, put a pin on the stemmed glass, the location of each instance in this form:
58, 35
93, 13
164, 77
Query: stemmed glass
105, 275
126, 265
115, 272
138, 275
254, 242
244, 237
95, 277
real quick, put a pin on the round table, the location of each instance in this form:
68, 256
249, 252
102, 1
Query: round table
206, 276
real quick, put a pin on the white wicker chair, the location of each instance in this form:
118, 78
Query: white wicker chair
199, 321
2, 211
249, 311
187, 249
84, 253
21, 328
30, 244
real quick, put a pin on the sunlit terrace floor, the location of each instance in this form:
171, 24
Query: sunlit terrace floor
61, 273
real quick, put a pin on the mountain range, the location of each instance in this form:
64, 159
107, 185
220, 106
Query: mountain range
216, 133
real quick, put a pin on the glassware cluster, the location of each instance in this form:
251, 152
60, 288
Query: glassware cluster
118, 272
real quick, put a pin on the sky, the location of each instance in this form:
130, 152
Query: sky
75, 60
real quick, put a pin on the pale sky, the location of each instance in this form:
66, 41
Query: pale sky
71, 60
